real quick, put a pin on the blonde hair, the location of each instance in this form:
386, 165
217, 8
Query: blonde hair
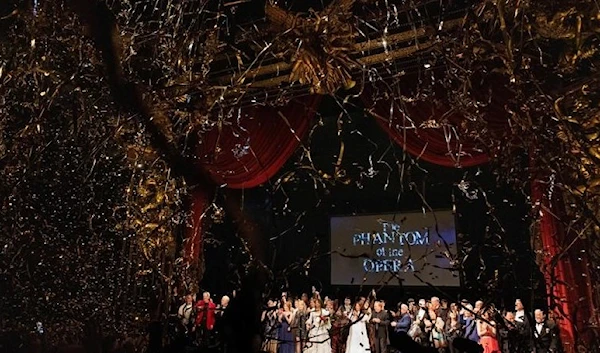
300, 303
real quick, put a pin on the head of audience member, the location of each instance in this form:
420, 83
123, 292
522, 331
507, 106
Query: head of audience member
453, 315
486, 314
304, 298
539, 316
330, 305
301, 305
454, 307
510, 317
378, 306
422, 304
287, 306
435, 303
224, 301
358, 306
189, 299
347, 302
444, 303
478, 306
317, 304
468, 312
403, 309
519, 305
271, 303
367, 304
206, 297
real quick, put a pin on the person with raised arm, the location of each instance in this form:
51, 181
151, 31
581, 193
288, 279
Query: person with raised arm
358, 337
318, 325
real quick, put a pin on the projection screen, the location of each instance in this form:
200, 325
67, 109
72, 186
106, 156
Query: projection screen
414, 249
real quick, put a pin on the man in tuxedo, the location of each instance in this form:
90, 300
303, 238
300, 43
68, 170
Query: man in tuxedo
545, 334
222, 331
381, 320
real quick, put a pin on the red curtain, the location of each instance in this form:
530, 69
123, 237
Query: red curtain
428, 129
246, 155
556, 272
440, 145
565, 269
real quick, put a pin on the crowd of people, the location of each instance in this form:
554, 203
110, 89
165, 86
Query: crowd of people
312, 324
324, 325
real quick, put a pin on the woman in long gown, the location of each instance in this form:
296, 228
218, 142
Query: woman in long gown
286, 339
358, 337
486, 329
318, 325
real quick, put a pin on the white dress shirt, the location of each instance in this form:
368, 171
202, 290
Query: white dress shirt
520, 316
539, 326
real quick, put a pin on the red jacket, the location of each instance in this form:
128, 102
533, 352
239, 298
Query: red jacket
203, 308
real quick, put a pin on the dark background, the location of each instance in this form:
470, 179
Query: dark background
492, 226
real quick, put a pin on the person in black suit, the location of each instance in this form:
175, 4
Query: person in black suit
513, 335
524, 317
545, 334
381, 320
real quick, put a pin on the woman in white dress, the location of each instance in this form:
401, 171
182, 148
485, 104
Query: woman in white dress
358, 337
318, 325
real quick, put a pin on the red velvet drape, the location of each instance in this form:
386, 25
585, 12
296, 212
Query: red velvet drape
246, 155
428, 129
440, 145
565, 269
557, 274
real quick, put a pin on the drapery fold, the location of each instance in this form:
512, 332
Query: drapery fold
565, 267
557, 273
246, 155
428, 129
417, 128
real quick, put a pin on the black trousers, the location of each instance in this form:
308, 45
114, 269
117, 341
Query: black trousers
381, 344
